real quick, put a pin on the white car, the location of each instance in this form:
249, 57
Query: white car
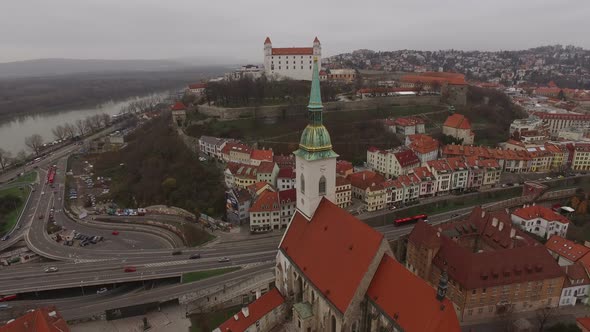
102, 290
50, 269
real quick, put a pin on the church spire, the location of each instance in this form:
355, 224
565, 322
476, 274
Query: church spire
315, 140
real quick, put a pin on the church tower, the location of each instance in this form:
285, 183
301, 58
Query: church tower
315, 160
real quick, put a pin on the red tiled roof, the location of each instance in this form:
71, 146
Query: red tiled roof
257, 154
198, 86
289, 195
407, 158
256, 310
246, 171
284, 161
178, 106
562, 116
286, 172
365, 179
576, 275
456, 164
458, 121
38, 320
266, 201
259, 185
403, 295
408, 121
439, 165
431, 77
422, 144
292, 51
266, 167
333, 250
537, 211
423, 173
566, 248
235, 146
423, 235
584, 321
343, 166
340, 181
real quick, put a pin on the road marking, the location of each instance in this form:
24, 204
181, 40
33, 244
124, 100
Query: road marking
168, 263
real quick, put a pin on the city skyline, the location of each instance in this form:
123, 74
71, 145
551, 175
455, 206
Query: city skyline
114, 30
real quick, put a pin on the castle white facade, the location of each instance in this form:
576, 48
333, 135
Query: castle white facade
291, 62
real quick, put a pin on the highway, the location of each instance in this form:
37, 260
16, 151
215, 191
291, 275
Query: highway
95, 304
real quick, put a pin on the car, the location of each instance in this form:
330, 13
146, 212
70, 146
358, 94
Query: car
223, 260
115, 233
548, 178
177, 252
195, 256
5, 306
102, 290
504, 185
50, 269
130, 269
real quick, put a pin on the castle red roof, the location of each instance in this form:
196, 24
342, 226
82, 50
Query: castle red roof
333, 250
316, 40
537, 211
292, 51
178, 106
407, 299
256, 310
458, 121
267, 41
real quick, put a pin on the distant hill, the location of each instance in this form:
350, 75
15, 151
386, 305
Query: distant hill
60, 67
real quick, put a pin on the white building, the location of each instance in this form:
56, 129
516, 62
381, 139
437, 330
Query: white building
247, 71
212, 146
576, 286
291, 62
286, 179
541, 221
392, 163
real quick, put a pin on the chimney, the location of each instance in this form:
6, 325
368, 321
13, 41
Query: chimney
483, 213
512, 233
236, 316
245, 311
501, 226
441, 291
364, 176
494, 222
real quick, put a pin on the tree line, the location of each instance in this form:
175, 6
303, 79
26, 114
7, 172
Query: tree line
262, 91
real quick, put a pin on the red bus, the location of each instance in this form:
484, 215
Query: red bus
5, 298
410, 220
51, 174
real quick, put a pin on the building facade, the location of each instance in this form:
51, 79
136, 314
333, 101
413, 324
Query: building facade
291, 62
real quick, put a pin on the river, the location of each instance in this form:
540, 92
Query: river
14, 130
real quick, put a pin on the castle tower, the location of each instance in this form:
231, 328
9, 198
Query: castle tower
267, 47
315, 160
317, 47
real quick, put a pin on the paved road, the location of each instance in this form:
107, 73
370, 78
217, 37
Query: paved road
85, 306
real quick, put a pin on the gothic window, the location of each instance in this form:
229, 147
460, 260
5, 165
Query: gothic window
322, 186
302, 184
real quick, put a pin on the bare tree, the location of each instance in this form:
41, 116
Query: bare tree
70, 130
21, 156
59, 132
96, 121
543, 315
81, 125
5, 157
34, 142
105, 119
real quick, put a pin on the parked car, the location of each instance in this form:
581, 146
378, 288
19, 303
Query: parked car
195, 256
102, 290
223, 260
50, 269
177, 252
115, 233
130, 269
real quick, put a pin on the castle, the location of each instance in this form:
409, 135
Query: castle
291, 62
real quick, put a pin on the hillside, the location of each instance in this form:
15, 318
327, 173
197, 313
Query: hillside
156, 167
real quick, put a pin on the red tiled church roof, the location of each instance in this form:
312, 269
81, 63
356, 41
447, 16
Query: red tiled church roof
334, 251
399, 293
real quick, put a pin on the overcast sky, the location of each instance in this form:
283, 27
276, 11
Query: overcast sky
236, 29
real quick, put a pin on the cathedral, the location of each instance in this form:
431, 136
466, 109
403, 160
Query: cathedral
334, 272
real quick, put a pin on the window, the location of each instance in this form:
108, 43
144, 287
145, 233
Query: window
302, 184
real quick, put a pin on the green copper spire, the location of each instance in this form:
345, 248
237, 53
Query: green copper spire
315, 143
